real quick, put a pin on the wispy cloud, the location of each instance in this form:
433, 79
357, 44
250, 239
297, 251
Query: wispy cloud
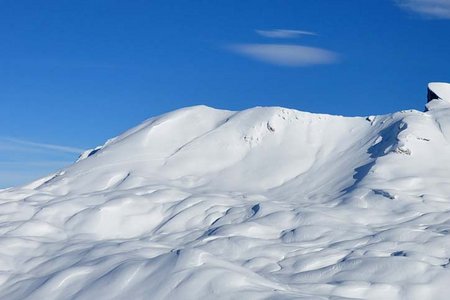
27, 164
430, 8
283, 33
286, 55
7, 143
22, 161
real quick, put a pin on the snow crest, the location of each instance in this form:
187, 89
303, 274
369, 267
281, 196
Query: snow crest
266, 203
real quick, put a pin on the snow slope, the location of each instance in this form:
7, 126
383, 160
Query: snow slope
266, 203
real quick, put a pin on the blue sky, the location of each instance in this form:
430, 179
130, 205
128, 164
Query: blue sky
75, 73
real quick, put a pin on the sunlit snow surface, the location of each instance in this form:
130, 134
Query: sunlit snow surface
267, 203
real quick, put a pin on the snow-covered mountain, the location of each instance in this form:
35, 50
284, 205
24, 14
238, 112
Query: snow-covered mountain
266, 203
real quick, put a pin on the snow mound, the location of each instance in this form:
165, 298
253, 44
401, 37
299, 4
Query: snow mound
266, 203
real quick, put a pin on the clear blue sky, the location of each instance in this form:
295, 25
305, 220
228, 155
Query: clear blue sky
75, 73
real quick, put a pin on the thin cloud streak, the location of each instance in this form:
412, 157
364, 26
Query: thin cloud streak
28, 164
7, 143
286, 55
24, 161
283, 33
431, 8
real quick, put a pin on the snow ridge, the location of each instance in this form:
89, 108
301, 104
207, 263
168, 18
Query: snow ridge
266, 203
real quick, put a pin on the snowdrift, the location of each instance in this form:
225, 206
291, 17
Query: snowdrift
266, 203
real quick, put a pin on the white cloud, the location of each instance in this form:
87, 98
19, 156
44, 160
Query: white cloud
431, 8
26, 165
27, 146
286, 55
22, 161
283, 33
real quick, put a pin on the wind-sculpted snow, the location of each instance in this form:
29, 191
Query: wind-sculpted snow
439, 90
267, 203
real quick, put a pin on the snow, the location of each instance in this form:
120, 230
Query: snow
441, 89
266, 203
